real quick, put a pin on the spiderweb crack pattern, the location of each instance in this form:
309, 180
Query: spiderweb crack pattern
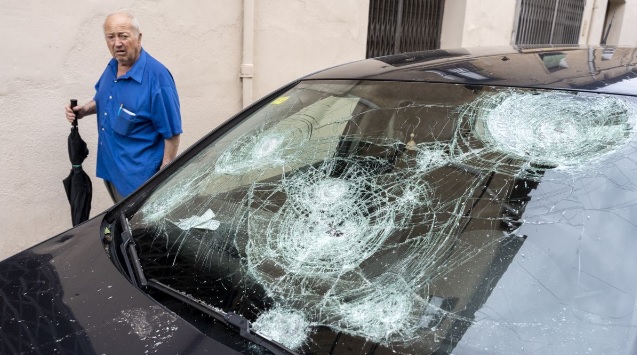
323, 229
524, 134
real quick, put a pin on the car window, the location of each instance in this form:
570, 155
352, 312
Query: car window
410, 217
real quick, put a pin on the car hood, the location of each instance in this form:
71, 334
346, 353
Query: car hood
65, 296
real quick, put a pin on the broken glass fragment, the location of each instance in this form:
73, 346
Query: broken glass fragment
287, 327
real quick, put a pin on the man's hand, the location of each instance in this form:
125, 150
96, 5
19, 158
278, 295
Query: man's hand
78, 112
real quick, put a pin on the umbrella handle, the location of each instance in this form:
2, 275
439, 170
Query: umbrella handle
73, 104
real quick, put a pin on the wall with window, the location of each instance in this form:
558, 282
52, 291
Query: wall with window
223, 55
471, 23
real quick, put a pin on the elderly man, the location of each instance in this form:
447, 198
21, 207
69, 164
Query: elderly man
137, 107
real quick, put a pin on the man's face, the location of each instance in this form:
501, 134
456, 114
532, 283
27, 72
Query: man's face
124, 42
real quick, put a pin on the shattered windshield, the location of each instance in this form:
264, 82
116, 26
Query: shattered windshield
367, 217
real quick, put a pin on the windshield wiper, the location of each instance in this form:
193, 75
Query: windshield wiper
230, 319
131, 259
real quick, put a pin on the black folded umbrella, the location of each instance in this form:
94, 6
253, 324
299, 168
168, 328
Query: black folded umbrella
79, 189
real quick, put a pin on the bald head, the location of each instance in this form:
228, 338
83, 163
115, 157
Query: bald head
123, 38
124, 16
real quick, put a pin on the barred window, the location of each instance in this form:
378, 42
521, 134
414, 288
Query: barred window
549, 21
398, 26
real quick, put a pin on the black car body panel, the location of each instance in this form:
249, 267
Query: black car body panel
64, 296
73, 294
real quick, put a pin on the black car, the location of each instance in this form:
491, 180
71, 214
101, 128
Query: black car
448, 201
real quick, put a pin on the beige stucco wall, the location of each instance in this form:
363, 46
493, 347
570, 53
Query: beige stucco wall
54, 51
452, 30
593, 21
628, 26
475, 23
489, 22
314, 34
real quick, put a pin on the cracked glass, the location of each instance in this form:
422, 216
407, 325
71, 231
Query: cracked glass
398, 217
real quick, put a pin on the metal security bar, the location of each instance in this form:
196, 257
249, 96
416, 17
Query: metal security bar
549, 21
398, 26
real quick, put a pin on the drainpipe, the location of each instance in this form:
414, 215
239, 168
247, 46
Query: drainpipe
247, 66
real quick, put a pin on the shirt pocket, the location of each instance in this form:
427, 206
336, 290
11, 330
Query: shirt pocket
124, 122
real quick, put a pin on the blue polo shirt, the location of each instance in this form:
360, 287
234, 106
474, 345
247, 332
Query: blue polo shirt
135, 113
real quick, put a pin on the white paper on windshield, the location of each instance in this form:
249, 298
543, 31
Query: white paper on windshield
205, 221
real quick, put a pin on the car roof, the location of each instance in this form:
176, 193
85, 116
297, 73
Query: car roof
582, 68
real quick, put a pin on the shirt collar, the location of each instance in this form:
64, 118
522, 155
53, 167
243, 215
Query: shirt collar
136, 72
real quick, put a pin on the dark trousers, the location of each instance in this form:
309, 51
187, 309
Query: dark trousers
115, 195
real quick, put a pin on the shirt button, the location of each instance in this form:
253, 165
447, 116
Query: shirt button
110, 97
102, 129
105, 114
114, 81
